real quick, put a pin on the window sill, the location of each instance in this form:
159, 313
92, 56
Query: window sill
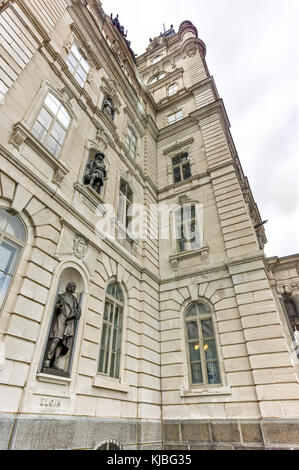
101, 381
53, 379
205, 391
21, 135
91, 196
203, 252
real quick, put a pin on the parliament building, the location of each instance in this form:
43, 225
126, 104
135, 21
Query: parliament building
138, 309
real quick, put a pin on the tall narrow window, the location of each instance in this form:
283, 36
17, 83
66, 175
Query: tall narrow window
124, 203
187, 228
181, 168
157, 77
77, 65
12, 241
172, 89
131, 142
110, 352
51, 125
175, 117
201, 345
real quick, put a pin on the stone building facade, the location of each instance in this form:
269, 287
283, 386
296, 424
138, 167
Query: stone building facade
181, 343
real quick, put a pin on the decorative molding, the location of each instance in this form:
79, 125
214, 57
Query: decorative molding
208, 391
178, 145
80, 246
176, 258
101, 381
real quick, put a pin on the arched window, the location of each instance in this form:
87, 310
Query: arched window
12, 242
110, 352
187, 228
125, 201
109, 444
52, 124
201, 345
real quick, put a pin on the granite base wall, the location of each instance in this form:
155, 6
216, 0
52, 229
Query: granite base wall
265, 434
36, 432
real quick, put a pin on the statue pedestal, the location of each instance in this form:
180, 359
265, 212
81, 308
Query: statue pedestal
52, 371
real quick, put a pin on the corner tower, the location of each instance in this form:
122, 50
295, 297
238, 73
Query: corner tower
225, 351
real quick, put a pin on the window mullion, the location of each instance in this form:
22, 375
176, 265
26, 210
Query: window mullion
202, 353
111, 337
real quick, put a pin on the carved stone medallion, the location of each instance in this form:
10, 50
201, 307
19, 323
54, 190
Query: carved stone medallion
80, 246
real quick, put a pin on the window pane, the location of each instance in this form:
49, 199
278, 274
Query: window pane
112, 364
102, 357
104, 335
79, 79
196, 373
213, 373
106, 310
85, 65
38, 131
117, 363
58, 133
111, 290
194, 351
53, 146
203, 308
177, 174
191, 311
4, 285
210, 349
176, 160
114, 339
72, 61
207, 328
192, 330
44, 118
186, 171
12, 225
121, 212
52, 103
9, 255
76, 52
63, 117
82, 73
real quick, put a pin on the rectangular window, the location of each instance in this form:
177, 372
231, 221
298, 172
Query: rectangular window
172, 89
187, 231
77, 65
131, 143
181, 168
51, 125
175, 117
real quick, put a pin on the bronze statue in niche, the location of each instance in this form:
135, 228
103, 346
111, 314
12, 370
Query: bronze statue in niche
96, 173
67, 312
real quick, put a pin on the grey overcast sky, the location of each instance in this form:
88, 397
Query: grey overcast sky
253, 54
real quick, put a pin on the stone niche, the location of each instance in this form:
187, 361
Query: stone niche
63, 364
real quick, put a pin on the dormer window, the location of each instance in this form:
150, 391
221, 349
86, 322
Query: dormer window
77, 65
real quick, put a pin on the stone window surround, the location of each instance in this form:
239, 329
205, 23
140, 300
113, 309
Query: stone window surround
175, 254
22, 129
187, 389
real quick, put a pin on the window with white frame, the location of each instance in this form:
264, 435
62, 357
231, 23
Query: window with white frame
203, 363
157, 77
181, 168
77, 65
187, 228
172, 89
174, 117
110, 351
12, 242
52, 124
131, 142
125, 201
